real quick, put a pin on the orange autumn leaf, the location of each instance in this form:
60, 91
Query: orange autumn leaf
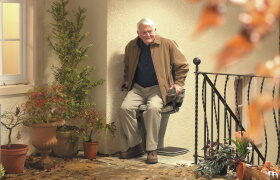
255, 113
236, 47
211, 16
257, 18
269, 68
258, 21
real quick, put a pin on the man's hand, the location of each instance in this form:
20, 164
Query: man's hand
124, 86
177, 88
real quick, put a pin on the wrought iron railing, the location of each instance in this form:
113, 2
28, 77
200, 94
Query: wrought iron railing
220, 104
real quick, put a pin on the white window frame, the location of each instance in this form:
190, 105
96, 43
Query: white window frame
243, 104
22, 77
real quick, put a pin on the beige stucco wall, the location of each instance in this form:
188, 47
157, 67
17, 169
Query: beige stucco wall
111, 24
175, 19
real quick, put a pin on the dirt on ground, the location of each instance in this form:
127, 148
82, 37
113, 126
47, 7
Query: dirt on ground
105, 168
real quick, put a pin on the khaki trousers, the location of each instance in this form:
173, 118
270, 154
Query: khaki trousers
152, 116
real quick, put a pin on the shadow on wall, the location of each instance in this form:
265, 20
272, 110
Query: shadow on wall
115, 70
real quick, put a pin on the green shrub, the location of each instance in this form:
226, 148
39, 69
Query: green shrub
66, 40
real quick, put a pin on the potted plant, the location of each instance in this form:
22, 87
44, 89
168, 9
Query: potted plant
45, 109
66, 40
13, 156
241, 143
91, 126
216, 161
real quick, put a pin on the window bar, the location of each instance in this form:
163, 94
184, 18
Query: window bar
196, 61
227, 128
248, 90
230, 121
275, 121
218, 122
216, 111
225, 125
236, 99
265, 132
225, 110
205, 115
237, 86
213, 109
230, 129
248, 102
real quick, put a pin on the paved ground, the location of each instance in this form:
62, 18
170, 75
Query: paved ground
112, 168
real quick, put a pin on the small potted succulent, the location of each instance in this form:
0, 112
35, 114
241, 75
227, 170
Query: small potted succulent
13, 156
241, 143
93, 123
45, 109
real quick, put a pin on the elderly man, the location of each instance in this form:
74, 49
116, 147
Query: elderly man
153, 65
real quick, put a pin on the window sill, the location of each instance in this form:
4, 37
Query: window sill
14, 89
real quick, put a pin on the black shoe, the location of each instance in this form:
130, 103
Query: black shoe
132, 152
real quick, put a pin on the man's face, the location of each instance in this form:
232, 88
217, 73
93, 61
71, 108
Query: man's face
146, 33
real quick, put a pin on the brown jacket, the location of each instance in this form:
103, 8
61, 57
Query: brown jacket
167, 59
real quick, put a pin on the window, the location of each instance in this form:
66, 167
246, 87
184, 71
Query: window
12, 42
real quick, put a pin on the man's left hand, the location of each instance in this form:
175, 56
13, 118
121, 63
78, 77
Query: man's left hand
177, 87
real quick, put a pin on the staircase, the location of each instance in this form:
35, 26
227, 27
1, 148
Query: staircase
220, 110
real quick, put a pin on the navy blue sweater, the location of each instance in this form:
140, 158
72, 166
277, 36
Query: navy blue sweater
145, 74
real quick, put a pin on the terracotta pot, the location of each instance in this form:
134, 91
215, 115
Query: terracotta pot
255, 173
90, 149
13, 159
67, 145
241, 170
43, 139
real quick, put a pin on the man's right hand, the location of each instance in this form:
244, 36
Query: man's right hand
177, 88
124, 86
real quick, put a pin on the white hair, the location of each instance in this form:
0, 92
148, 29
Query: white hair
146, 21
